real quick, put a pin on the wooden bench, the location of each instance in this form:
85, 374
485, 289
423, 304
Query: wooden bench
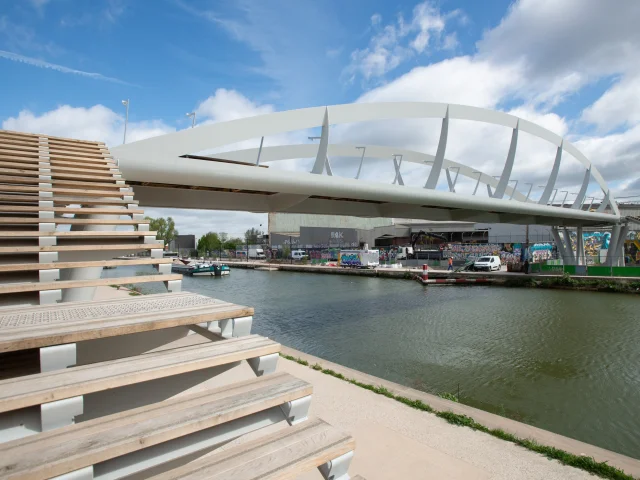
282, 455
24, 328
123, 443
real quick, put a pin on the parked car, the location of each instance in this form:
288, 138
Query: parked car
487, 264
299, 255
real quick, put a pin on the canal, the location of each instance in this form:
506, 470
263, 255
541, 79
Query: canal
564, 361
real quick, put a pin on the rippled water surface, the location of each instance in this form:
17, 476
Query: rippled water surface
565, 361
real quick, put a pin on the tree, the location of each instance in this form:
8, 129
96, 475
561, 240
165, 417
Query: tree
251, 236
232, 243
166, 228
208, 243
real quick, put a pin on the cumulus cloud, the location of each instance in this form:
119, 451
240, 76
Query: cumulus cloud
225, 105
94, 123
399, 41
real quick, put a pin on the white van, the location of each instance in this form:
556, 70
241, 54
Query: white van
404, 253
298, 255
487, 263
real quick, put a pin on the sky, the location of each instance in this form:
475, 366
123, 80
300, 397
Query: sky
572, 66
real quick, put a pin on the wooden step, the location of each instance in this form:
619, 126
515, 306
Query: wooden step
57, 175
67, 200
71, 210
71, 448
57, 169
65, 191
287, 453
11, 288
77, 234
69, 221
34, 159
25, 267
52, 150
45, 387
22, 328
35, 180
36, 136
81, 248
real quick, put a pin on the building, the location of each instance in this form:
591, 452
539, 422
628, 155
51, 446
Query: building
183, 244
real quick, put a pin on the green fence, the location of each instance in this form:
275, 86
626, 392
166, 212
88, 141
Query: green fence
591, 270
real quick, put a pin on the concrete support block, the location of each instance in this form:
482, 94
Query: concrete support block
48, 297
82, 474
119, 182
338, 468
132, 205
60, 413
297, 410
143, 227
242, 326
45, 194
139, 217
226, 328
164, 268
57, 357
45, 203
46, 214
47, 227
45, 185
49, 275
264, 365
128, 198
149, 239
44, 177
47, 257
44, 170
47, 241
173, 285
156, 253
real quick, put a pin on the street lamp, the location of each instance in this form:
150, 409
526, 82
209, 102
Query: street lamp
566, 194
126, 120
361, 160
554, 195
514, 189
193, 118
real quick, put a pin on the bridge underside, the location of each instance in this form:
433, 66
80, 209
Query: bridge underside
230, 189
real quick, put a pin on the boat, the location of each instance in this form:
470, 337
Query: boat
199, 268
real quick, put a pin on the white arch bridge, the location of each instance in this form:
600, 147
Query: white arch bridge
168, 172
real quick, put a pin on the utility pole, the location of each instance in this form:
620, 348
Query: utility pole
126, 120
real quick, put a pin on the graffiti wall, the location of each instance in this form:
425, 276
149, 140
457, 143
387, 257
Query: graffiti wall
508, 252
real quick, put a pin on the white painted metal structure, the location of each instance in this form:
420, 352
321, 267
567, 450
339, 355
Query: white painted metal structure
164, 178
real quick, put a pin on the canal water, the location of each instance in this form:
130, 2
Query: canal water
564, 361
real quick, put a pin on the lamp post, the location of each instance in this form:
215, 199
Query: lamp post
126, 120
193, 118
566, 194
514, 189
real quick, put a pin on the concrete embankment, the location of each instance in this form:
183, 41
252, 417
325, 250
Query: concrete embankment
590, 283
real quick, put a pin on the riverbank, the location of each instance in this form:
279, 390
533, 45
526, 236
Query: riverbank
507, 279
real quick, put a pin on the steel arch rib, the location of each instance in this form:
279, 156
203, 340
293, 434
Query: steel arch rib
165, 151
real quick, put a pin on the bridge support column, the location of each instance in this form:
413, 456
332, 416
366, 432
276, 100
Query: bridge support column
580, 259
613, 245
562, 248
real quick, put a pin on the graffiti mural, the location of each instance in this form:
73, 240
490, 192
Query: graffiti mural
508, 252
350, 259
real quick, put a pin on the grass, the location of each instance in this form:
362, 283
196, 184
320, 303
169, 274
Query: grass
582, 462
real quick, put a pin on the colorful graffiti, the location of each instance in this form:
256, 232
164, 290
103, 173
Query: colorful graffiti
540, 252
508, 252
350, 259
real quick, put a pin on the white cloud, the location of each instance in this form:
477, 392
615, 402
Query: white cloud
618, 106
225, 105
35, 62
94, 123
399, 41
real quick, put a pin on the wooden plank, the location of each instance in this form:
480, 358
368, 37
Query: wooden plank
11, 133
69, 221
34, 180
67, 200
65, 191
25, 267
19, 141
59, 169
80, 248
67, 147
285, 454
15, 157
77, 211
58, 175
56, 385
79, 234
9, 288
88, 321
39, 148
66, 449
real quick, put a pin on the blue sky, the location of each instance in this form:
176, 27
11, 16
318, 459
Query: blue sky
570, 66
